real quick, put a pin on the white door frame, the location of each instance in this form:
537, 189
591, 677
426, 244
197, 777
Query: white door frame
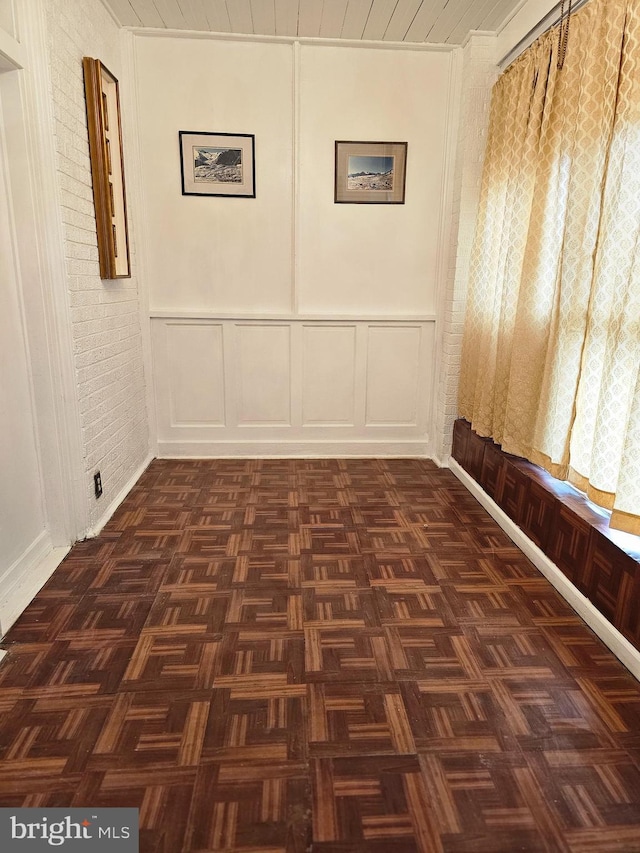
29, 137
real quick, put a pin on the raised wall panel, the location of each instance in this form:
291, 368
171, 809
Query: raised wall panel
393, 369
511, 489
539, 514
328, 384
491, 474
475, 455
195, 374
264, 363
611, 585
568, 544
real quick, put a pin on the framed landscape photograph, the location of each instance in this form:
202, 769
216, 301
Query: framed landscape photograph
370, 172
221, 164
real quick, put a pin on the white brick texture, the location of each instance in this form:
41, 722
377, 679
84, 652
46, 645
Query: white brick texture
479, 73
105, 315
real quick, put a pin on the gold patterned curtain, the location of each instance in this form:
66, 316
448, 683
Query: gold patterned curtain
551, 348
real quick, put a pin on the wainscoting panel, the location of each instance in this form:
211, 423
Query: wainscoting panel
329, 372
392, 375
195, 361
292, 385
264, 374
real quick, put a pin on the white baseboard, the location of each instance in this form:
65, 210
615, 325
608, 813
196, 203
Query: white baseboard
29, 573
441, 463
115, 503
415, 448
610, 636
26, 577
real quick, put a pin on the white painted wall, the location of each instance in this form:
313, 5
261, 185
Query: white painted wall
216, 254
34, 519
104, 315
22, 521
370, 259
287, 323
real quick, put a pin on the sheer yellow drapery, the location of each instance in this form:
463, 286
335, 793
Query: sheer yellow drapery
551, 348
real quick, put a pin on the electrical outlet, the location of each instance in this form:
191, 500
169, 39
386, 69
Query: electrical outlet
97, 484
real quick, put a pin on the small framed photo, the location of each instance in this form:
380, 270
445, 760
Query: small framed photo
218, 164
370, 172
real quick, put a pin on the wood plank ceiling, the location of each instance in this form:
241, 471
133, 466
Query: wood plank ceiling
434, 21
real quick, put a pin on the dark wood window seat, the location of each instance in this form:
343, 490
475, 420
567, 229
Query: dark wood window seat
566, 527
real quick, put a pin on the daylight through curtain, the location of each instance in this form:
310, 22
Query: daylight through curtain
551, 349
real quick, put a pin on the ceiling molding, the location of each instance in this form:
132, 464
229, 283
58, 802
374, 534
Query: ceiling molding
157, 32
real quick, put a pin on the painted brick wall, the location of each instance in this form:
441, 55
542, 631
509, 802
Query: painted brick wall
105, 315
479, 73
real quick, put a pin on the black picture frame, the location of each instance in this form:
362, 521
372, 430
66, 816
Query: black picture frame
202, 173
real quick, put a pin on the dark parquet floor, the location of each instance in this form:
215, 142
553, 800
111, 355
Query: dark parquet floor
329, 655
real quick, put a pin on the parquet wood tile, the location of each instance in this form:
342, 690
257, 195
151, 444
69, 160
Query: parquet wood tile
409, 541
256, 719
164, 660
580, 651
350, 608
198, 574
268, 610
346, 653
188, 611
465, 717
413, 604
489, 804
131, 577
107, 616
334, 572
328, 656
543, 603
438, 654
266, 572
358, 719
70, 662
479, 602
249, 654
44, 619
376, 802
72, 578
262, 807
385, 570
